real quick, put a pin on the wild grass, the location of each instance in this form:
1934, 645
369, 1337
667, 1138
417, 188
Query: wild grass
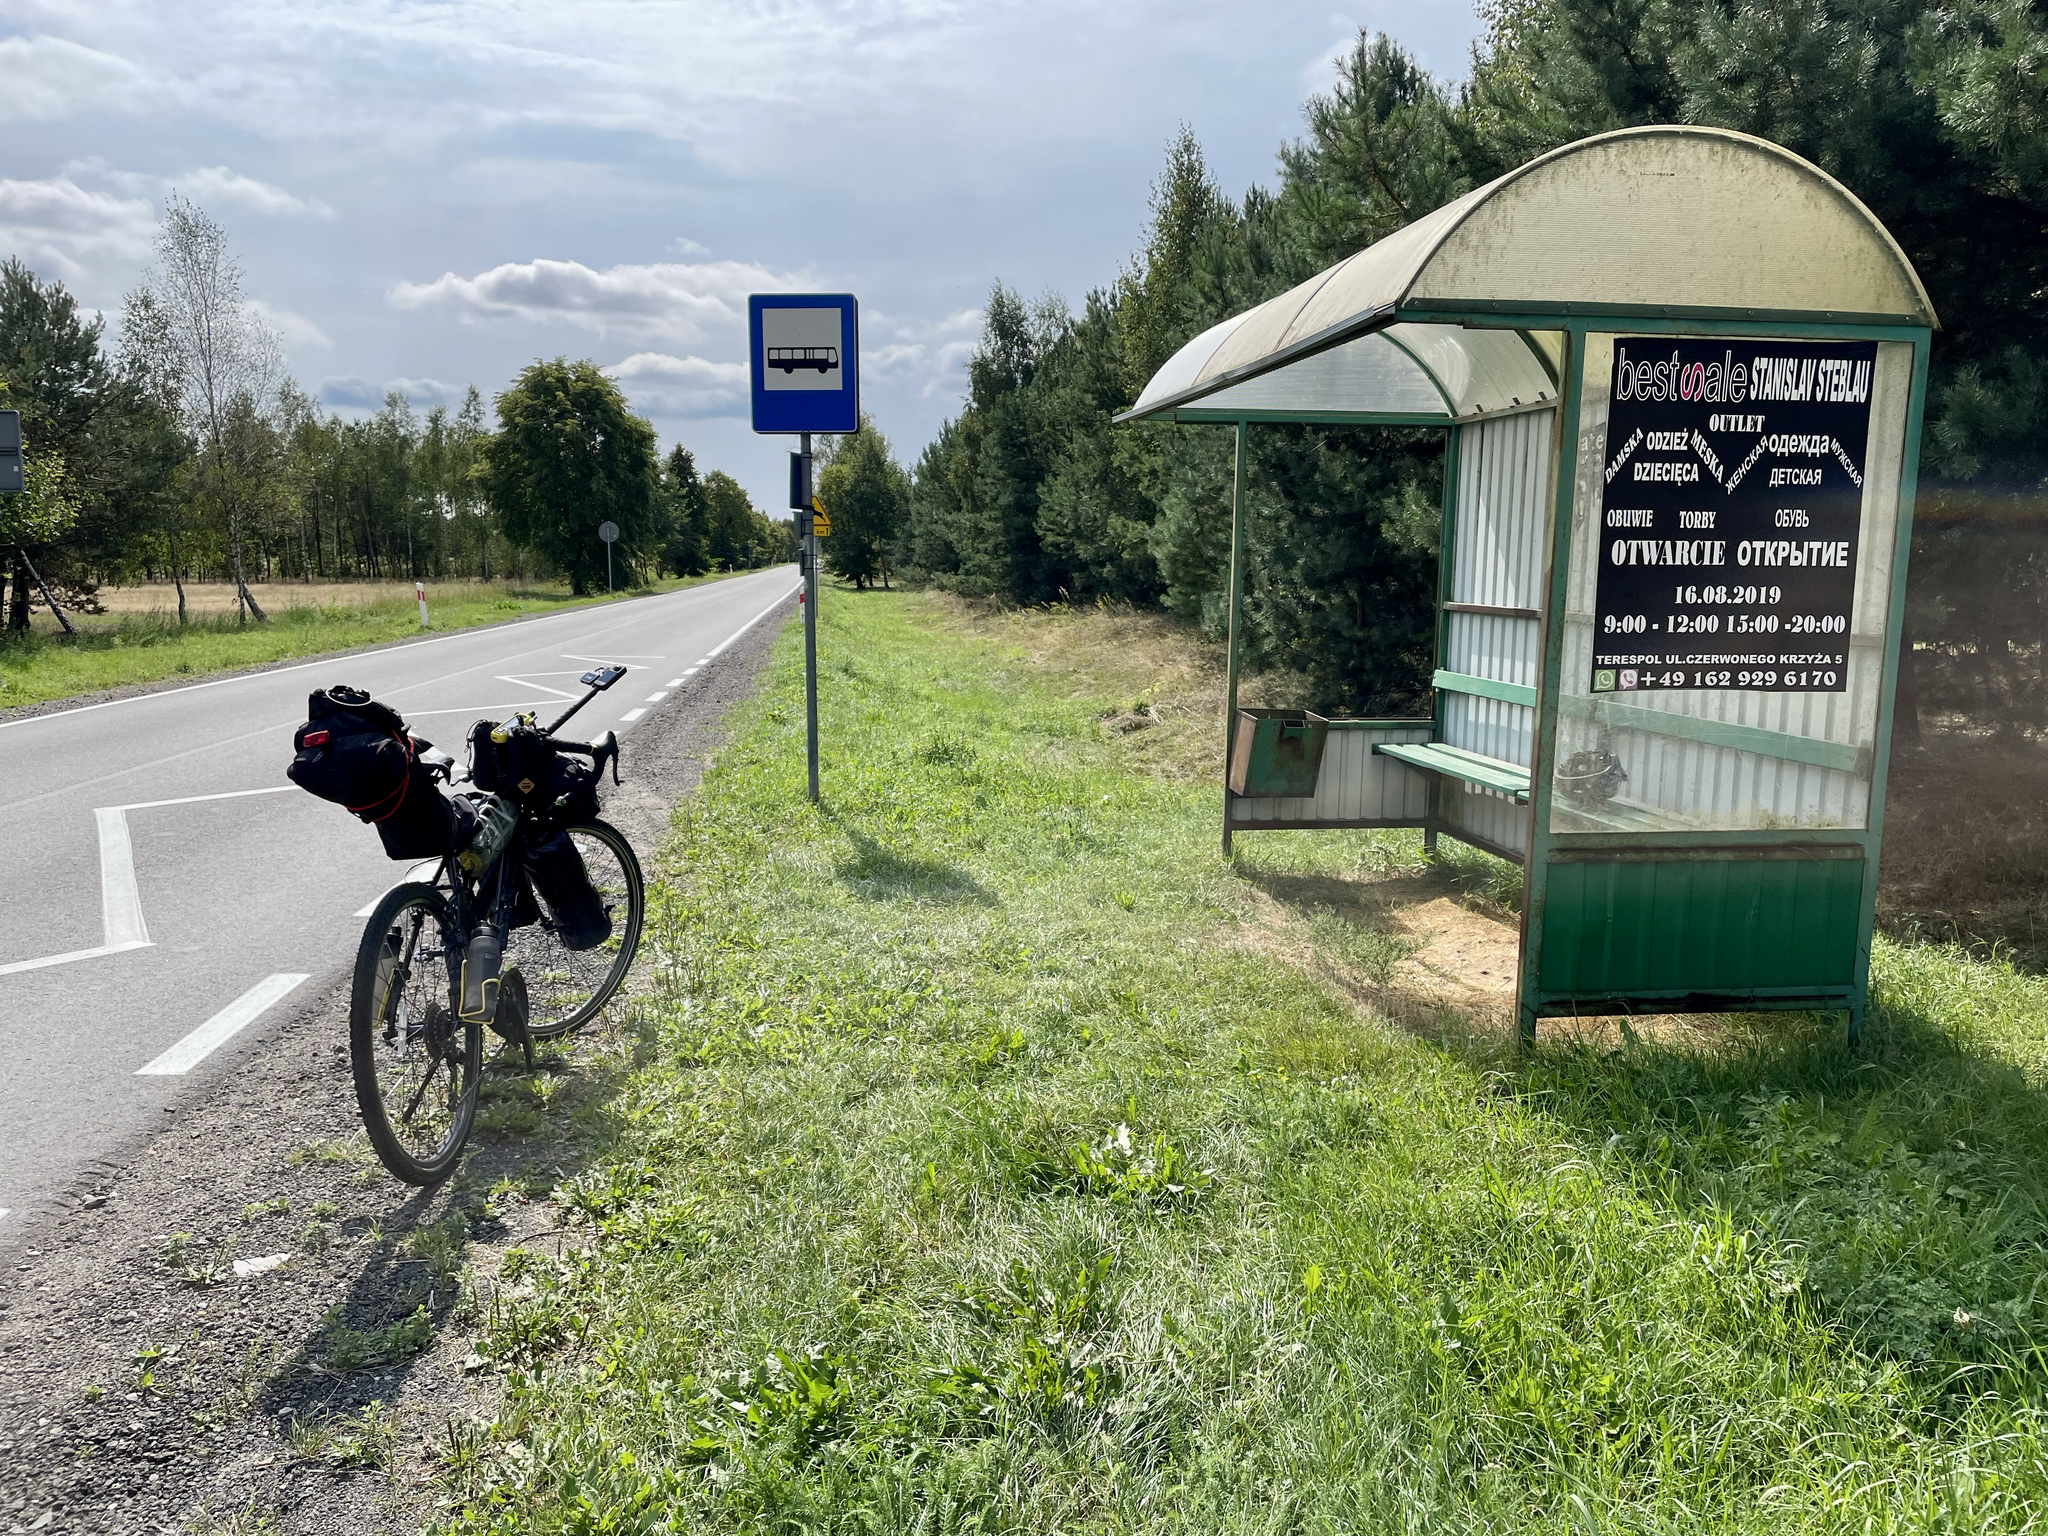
128, 646
982, 1171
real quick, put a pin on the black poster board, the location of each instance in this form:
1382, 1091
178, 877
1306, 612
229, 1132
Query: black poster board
1731, 499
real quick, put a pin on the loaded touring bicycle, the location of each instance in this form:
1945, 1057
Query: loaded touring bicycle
527, 927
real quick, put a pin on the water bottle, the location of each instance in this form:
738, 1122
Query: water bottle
496, 820
480, 966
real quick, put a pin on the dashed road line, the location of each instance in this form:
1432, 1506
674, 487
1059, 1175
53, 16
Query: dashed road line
630, 716
222, 1027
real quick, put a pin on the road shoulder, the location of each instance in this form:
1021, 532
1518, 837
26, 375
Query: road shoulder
145, 1385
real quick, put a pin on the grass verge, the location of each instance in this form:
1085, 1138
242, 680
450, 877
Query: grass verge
131, 648
985, 1166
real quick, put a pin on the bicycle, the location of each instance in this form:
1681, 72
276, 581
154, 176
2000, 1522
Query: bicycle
421, 998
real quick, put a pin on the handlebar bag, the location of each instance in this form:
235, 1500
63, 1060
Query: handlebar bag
530, 770
581, 919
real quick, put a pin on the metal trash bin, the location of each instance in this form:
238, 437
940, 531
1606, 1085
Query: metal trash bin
1277, 753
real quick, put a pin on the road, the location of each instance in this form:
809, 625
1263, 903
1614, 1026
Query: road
166, 894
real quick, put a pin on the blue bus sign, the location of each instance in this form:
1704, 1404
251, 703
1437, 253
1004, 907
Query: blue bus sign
806, 361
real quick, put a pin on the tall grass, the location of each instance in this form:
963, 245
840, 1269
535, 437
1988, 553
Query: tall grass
985, 1172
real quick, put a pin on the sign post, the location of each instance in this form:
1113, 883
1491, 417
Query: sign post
12, 480
609, 532
420, 590
806, 374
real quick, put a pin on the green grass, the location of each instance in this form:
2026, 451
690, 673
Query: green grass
987, 1169
149, 648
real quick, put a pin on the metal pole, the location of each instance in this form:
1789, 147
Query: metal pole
1236, 616
607, 568
810, 623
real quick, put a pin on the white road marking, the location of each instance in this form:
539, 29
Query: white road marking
425, 869
528, 682
630, 716
605, 661
656, 698
3, 1213
232, 794
479, 710
221, 1028
326, 661
675, 682
689, 672
120, 899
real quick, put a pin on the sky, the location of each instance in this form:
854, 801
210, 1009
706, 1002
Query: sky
428, 194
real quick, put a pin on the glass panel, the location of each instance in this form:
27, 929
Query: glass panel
1733, 520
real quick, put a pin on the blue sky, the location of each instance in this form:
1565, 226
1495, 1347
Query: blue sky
428, 195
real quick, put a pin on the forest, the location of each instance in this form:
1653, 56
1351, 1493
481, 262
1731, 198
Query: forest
1936, 116
184, 452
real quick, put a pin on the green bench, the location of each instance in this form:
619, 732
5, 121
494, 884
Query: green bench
1457, 763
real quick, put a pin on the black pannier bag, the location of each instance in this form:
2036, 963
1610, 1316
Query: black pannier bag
563, 885
356, 753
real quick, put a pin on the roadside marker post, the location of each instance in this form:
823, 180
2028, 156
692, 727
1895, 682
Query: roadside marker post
806, 374
420, 590
609, 532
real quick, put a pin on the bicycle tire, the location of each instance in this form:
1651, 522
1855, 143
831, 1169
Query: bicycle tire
626, 933
381, 1046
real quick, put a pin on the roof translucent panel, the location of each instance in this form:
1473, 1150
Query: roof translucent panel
1371, 374
1645, 219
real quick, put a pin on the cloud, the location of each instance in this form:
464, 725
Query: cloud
671, 300
927, 355
294, 330
683, 245
663, 385
59, 227
359, 394
49, 78
427, 392
218, 184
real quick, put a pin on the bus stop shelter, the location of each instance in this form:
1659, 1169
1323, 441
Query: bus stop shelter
1680, 372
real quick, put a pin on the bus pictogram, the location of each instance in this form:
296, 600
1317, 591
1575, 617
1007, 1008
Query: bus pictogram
789, 359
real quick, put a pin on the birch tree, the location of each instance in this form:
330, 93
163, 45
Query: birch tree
225, 359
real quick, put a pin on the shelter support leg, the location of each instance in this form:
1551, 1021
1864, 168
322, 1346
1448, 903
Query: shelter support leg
1856, 1011
1236, 616
1526, 1033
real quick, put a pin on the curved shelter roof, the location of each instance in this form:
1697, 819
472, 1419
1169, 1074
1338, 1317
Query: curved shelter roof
1647, 221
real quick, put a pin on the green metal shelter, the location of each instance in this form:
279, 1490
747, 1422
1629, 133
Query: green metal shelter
1681, 373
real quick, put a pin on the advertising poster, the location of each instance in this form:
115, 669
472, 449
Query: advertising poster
1731, 499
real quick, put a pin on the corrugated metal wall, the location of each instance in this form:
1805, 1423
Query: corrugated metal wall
1497, 559
1690, 785
1355, 783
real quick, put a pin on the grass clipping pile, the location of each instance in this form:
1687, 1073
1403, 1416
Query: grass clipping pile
995, 1157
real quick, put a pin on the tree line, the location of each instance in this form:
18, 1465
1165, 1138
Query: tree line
1933, 114
184, 452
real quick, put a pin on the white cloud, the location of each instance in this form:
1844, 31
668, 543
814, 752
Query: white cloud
930, 355
660, 384
62, 229
683, 245
427, 392
48, 78
673, 300
294, 330
218, 184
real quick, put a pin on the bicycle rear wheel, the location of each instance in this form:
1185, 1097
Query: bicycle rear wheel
566, 987
416, 1064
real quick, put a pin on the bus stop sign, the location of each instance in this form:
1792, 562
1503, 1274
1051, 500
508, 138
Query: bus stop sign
806, 361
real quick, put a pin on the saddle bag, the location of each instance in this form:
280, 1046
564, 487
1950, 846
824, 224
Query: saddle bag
357, 753
555, 868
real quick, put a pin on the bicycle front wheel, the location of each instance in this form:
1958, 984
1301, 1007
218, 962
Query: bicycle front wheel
567, 979
416, 1064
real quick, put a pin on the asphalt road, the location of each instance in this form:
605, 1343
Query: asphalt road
167, 897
